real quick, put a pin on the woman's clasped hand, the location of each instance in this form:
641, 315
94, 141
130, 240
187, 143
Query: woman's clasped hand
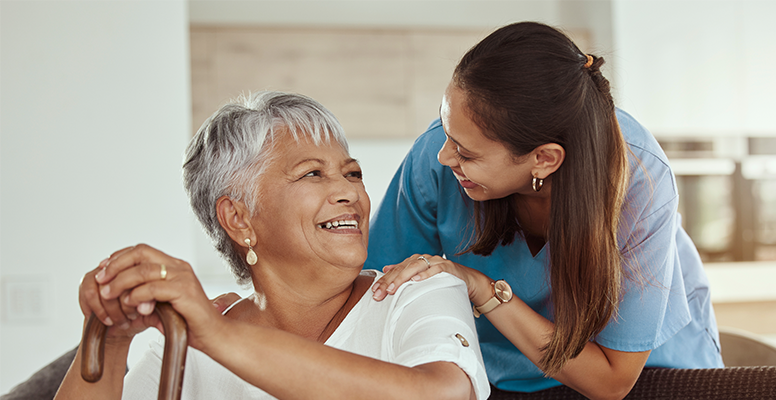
122, 292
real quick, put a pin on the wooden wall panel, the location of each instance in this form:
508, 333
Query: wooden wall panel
379, 83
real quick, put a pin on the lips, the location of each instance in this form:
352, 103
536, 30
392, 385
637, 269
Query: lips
466, 183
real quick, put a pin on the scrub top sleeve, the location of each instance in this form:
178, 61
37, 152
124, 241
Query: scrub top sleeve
654, 304
405, 221
432, 322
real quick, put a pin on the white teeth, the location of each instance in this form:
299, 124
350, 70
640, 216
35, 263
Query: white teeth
342, 224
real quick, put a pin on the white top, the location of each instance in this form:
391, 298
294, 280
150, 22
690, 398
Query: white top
423, 322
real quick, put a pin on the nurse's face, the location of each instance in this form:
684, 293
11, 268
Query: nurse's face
486, 169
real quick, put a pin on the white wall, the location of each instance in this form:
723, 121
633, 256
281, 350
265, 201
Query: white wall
94, 117
697, 67
591, 15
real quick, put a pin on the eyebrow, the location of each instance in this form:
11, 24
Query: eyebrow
308, 160
320, 161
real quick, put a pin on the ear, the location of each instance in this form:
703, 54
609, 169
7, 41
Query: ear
547, 159
235, 218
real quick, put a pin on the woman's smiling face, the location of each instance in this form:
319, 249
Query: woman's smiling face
313, 208
486, 169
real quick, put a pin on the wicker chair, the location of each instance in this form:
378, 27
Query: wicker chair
740, 383
750, 373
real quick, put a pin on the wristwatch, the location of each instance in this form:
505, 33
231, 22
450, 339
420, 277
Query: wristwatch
502, 293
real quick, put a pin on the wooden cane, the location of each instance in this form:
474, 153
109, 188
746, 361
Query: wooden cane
173, 362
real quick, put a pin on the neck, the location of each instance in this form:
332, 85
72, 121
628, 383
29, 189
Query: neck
533, 213
305, 306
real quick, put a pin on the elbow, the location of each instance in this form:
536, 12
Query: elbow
457, 389
444, 381
616, 391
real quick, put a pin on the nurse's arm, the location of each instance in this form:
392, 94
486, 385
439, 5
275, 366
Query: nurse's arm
597, 372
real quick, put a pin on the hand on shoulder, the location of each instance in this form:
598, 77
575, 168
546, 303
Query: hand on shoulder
419, 267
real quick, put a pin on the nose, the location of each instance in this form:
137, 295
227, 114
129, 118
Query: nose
344, 191
446, 156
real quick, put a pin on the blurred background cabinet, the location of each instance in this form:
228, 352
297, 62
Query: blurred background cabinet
727, 188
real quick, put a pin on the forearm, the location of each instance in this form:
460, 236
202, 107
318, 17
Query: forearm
592, 373
290, 367
108, 387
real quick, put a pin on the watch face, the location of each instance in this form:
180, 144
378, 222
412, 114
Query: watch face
503, 291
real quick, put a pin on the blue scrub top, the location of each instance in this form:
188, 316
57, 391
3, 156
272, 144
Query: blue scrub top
666, 307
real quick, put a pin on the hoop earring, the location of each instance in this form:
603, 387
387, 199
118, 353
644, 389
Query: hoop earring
537, 184
251, 257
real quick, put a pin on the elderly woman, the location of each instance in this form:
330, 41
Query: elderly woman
273, 184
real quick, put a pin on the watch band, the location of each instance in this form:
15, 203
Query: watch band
487, 307
502, 293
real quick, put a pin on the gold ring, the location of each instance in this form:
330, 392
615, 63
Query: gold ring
426, 260
164, 272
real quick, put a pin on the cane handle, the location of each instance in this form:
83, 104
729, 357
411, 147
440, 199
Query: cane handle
173, 363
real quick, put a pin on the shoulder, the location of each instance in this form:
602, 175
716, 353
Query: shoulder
639, 139
433, 136
420, 174
428, 144
441, 284
652, 184
411, 289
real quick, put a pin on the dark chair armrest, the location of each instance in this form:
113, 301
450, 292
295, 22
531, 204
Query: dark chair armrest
44, 383
738, 383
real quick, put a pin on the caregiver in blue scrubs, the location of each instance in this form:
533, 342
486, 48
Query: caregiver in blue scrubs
559, 211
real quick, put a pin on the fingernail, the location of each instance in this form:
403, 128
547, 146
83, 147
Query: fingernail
104, 263
416, 278
390, 287
145, 308
377, 294
375, 286
105, 291
108, 321
124, 325
132, 316
100, 275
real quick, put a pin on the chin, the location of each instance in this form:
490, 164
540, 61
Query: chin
482, 194
477, 194
354, 261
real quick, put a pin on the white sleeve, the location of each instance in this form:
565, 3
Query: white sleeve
204, 378
432, 321
142, 380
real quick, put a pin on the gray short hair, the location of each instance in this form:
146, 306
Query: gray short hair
234, 146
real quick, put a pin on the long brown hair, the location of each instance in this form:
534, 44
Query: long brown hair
528, 84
